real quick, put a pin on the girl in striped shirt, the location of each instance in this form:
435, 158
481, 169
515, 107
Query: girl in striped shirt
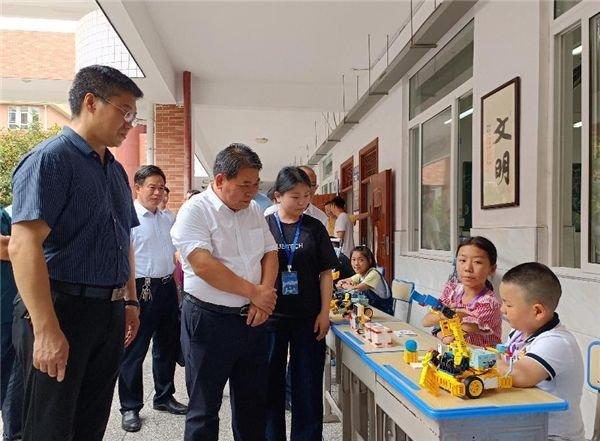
472, 295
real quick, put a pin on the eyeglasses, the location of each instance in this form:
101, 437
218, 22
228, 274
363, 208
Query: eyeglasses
129, 116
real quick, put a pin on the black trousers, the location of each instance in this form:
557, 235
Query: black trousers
78, 407
219, 347
159, 322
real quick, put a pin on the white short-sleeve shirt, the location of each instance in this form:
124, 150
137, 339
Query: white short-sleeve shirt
238, 239
557, 351
152, 243
343, 223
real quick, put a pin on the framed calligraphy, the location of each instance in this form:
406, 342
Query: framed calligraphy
500, 117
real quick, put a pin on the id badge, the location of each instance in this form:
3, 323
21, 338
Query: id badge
289, 283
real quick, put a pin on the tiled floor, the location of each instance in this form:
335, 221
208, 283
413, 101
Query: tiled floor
161, 426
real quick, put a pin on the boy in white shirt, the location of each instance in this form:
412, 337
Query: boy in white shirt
541, 350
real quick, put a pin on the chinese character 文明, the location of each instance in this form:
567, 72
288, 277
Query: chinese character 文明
503, 169
500, 130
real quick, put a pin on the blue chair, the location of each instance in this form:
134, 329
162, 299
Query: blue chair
593, 379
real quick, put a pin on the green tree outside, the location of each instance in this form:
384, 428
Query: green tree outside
13, 146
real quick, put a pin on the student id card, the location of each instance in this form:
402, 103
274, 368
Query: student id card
289, 283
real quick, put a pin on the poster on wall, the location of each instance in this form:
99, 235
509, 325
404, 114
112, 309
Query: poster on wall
500, 146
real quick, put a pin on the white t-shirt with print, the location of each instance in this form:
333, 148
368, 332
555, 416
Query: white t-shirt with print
557, 351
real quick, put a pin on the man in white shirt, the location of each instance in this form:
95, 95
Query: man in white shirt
230, 266
157, 295
343, 228
311, 210
163, 205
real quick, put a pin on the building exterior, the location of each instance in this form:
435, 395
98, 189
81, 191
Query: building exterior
537, 61
428, 130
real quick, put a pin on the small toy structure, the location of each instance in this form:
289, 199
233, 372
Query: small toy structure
358, 318
410, 352
343, 302
460, 370
378, 334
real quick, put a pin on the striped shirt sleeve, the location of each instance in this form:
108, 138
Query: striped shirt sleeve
41, 184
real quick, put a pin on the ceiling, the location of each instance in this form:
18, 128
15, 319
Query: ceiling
49, 9
247, 56
290, 42
295, 50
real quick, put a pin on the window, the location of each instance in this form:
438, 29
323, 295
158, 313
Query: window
435, 181
414, 154
465, 165
562, 6
20, 118
447, 70
569, 148
327, 167
594, 124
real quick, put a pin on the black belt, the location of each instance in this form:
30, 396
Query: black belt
155, 280
243, 311
90, 291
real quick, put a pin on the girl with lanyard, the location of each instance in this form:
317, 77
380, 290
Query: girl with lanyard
301, 318
472, 295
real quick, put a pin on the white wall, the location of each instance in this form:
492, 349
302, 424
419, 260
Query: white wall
511, 39
215, 127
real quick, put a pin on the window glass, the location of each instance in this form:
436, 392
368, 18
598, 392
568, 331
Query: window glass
435, 181
414, 186
562, 6
447, 70
465, 165
594, 240
569, 120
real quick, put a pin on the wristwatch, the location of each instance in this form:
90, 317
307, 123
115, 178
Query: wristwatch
132, 303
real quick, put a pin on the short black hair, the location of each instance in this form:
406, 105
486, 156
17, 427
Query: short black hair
235, 157
102, 81
339, 202
145, 171
289, 177
538, 283
167, 190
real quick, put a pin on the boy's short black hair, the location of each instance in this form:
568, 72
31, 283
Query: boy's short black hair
145, 171
102, 81
538, 283
339, 202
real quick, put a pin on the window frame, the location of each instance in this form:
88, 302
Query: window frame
19, 111
579, 15
449, 101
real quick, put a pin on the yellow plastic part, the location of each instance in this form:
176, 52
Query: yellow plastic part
410, 357
427, 379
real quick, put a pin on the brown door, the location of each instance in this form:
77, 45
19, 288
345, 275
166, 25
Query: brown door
380, 186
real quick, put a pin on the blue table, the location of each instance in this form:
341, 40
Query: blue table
381, 398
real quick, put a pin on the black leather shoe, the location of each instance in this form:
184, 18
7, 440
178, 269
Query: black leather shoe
130, 421
172, 406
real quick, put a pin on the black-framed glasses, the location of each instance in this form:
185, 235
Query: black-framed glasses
129, 116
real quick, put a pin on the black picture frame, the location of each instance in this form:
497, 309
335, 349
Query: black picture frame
500, 169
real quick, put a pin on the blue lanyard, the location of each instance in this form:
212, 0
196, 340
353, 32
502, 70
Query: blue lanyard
290, 249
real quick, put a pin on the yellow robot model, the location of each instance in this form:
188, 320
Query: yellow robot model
460, 370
